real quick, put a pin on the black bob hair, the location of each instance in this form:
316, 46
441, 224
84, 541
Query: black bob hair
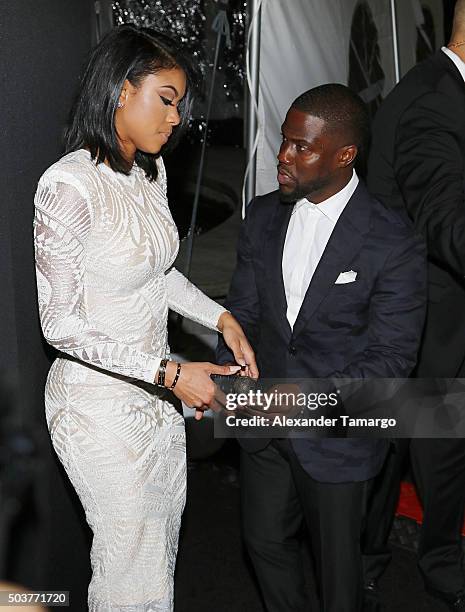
132, 53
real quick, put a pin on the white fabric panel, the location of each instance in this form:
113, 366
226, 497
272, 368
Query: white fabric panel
409, 16
305, 43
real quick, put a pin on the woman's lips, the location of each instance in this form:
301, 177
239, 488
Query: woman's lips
165, 136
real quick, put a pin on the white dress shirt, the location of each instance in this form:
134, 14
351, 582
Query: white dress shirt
456, 59
309, 230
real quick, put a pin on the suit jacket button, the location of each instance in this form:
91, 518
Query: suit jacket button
292, 349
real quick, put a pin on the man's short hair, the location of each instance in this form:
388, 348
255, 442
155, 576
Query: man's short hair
341, 109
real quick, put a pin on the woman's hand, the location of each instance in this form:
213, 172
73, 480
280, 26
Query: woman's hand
195, 387
238, 343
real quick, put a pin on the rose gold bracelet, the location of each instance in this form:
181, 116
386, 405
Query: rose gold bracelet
176, 378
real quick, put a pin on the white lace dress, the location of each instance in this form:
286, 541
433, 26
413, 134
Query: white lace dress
104, 242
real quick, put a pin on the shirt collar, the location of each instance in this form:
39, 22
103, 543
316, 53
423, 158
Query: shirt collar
332, 207
456, 59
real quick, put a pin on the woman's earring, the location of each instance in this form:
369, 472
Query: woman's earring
120, 104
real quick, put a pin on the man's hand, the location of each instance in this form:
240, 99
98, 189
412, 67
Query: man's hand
235, 339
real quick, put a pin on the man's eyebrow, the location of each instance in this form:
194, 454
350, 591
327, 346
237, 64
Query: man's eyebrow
297, 140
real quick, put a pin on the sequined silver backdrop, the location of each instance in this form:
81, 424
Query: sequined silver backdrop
190, 21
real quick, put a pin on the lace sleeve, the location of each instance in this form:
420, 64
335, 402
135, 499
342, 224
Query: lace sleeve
186, 299
62, 224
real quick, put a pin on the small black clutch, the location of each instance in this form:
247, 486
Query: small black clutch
234, 384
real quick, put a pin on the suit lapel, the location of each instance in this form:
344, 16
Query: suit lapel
344, 244
447, 64
273, 255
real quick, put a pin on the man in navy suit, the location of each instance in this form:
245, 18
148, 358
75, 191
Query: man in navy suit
329, 283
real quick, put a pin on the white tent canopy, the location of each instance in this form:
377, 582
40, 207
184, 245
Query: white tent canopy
305, 43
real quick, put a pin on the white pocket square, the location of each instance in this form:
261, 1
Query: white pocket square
346, 277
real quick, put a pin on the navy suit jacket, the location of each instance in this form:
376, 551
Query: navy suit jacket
369, 328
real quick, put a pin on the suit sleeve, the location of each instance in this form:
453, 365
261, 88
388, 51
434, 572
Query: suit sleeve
242, 300
396, 316
429, 172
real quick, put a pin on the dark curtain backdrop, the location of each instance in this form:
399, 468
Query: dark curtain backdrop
43, 47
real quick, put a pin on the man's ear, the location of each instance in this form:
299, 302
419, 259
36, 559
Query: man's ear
346, 155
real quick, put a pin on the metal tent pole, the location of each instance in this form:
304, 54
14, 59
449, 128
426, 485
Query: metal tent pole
102, 19
253, 79
395, 41
221, 26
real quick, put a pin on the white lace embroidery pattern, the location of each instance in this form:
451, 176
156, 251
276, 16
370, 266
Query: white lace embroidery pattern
104, 242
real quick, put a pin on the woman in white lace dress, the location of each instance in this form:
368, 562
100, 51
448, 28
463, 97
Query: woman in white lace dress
105, 240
